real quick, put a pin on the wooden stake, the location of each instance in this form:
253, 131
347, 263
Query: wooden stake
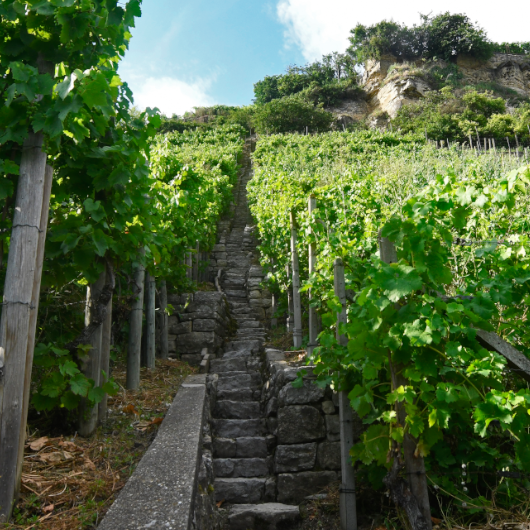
106, 337
15, 333
88, 415
313, 324
164, 321
348, 501
297, 304
414, 465
135, 329
48, 179
195, 276
150, 316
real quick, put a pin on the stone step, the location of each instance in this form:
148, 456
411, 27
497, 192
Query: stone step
245, 447
234, 345
237, 428
237, 354
242, 467
244, 490
238, 380
268, 515
238, 410
248, 324
239, 364
241, 394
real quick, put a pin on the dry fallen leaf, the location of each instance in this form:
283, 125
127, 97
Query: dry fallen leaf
37, 445
435, 520
89, 464
48, 508
129, 409
220, 503
56, 457
71, 447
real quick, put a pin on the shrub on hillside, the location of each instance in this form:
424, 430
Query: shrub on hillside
444, 36
291, 114
325, 81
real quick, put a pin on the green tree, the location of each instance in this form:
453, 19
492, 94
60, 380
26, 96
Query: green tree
291, 114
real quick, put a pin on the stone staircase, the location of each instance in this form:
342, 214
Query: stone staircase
242, 446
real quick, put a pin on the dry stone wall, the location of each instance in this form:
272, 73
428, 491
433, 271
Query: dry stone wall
200, 320
305, 424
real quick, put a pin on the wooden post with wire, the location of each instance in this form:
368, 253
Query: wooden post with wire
297, 303
414, 465
313, 322
348, 501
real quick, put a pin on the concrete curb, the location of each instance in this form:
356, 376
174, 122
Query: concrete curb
161, 492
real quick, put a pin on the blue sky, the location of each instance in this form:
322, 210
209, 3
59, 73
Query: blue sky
187, 53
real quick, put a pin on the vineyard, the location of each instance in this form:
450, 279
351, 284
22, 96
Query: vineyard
390, 254
412, 365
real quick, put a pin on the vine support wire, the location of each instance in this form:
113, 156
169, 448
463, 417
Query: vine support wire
313, 324
348, 500
297, 304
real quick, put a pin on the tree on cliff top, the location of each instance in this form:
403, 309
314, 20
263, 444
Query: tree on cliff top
444, 36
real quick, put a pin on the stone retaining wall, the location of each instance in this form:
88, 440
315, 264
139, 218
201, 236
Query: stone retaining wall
305, 422
172, 486
200, 320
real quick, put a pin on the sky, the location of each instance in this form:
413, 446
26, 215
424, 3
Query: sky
190, 53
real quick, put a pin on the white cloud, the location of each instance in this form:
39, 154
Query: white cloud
318, 27
171, 95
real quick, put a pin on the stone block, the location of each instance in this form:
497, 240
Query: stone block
249, 447
179, 328
272, 407
270, 515
202, 324
240, 394
229, 365
333, 427
293, 488
254, 295
234, 381
195, 341
224, 448
328, 455
239, 490
237, 428
300, 423
308, 393
255, 271
242, 410
297, 457
328, 407
241, 467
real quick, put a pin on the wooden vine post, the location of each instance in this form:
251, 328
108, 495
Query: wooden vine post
348, 501
91, 368
106, 338
150, 316
48, 179
19, 305
297, 304
135, 329
289, 322
420, 515
164, 321
313, 322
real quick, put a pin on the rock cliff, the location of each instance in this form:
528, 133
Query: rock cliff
389, 85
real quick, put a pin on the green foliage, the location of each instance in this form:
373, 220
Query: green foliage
443, 115
292, 113
444, 36
61, 382
327, 81
422, 312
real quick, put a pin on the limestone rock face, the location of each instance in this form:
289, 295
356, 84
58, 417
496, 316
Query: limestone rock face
396, 94
511, 71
